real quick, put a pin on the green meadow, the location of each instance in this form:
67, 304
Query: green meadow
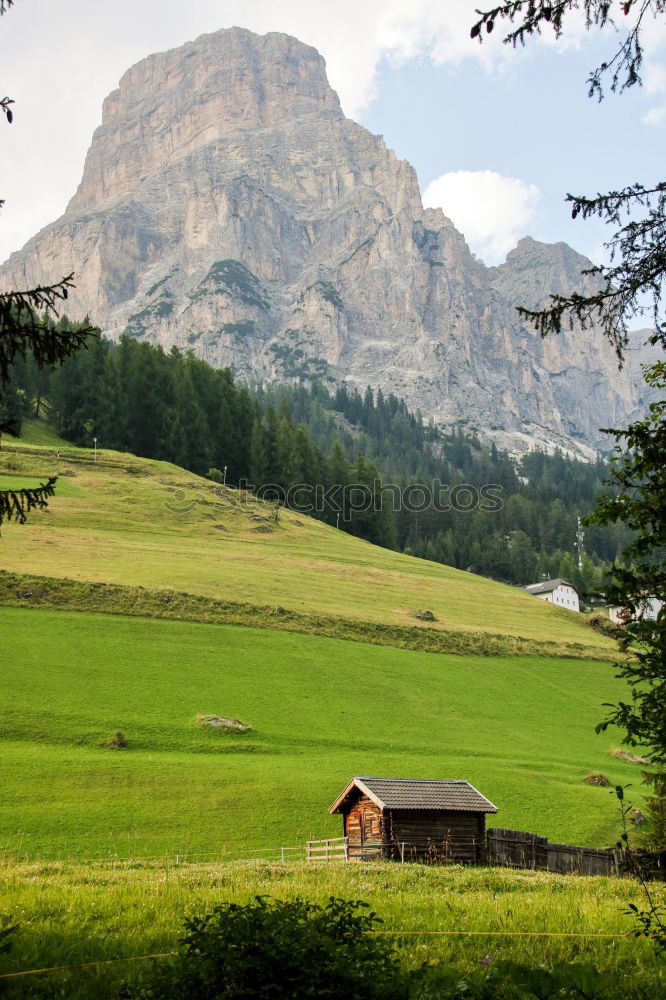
130, 521
146, 598
320, 710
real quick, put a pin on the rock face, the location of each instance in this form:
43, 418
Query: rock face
227, 205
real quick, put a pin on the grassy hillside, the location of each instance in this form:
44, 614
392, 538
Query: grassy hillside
130, 521
82, 913
168, 557
519, 728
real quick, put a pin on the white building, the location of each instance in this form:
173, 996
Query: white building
558, 592
648, 611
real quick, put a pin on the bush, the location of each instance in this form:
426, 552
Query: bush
425, 616
600, 623
597, 778
280, 950
117, 741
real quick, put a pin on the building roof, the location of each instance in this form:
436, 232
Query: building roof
548, 586
393, 793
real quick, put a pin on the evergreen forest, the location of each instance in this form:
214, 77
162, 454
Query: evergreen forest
361, 461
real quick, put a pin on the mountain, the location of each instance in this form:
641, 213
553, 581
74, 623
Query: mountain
227, 205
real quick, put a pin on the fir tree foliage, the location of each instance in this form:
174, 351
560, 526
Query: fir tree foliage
358, 455
639, 577
27, 331
637, 251
636, 271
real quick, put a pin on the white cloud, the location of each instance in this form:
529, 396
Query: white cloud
490, 210
655, 116
654, 70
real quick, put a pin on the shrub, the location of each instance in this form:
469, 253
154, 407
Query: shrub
600, 623
596, 778
280, 950
425, 616
117, 741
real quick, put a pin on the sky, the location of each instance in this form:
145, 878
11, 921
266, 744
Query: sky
497, 136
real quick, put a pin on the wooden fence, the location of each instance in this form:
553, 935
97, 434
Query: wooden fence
326, 850
515, 849
507, 848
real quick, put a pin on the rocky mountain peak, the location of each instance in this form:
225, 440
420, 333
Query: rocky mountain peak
534, 271
228, 207
173, 103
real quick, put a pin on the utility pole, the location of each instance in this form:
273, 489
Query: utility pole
224, 477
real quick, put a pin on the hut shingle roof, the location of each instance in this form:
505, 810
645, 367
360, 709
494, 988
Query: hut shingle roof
394, 793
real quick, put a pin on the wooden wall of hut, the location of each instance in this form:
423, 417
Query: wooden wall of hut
365, 827
409, 834
436, 836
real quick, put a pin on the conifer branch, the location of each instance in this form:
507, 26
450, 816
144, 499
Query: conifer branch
23, 331
15, 504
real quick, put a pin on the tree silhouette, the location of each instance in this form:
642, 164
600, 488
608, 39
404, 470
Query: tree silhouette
637, 248
26, 329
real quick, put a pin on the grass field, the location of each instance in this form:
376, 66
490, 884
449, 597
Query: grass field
339, 679
128, 521
519, 728
80, 913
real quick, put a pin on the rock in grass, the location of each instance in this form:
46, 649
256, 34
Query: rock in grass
220, 722
628, 756
597, 778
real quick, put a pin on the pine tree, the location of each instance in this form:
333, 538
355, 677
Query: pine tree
258, 458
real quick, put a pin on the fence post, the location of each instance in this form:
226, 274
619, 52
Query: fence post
402, 853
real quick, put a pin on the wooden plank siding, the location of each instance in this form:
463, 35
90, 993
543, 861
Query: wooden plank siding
515, 849
364, 828
436, 835
580, 860
411, 834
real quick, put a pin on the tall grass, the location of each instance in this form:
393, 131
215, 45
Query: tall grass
75, 913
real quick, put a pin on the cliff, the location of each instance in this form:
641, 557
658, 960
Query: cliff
228, 206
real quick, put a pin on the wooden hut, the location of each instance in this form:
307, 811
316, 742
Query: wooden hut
413, 820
